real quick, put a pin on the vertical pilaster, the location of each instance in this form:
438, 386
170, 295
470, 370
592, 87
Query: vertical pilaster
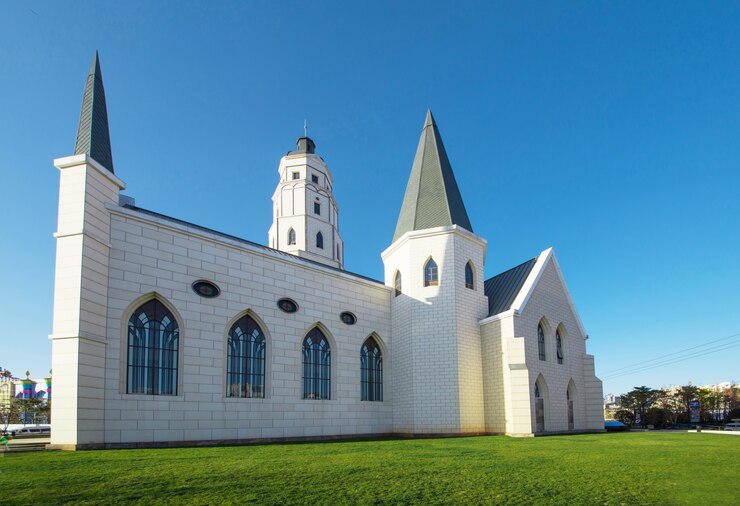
594, 402
80, 300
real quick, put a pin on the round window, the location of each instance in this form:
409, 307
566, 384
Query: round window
206, 289
287, 305
348, 318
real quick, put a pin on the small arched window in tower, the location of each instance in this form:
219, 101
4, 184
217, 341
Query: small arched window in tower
316, 366
371, 371
397, 283
431, 275
469, 281
291, 236
338, 257
320, 241
559, 346
317, 207
541, 342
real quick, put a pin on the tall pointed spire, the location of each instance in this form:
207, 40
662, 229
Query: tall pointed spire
432, 197
93, 137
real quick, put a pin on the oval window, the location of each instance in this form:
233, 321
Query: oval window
206, 289
287, 305
348, 318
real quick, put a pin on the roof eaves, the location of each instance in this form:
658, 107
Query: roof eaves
248, 242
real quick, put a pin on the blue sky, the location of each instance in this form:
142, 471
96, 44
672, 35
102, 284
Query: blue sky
607, 130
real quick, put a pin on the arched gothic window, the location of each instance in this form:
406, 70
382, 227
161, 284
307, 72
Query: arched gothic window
320, 240
397, 283
431, 275
153, 339
291, 236
469, 282
559, 346
570, 396
245, 362
541, 342
316, 366
539, 404
371, 371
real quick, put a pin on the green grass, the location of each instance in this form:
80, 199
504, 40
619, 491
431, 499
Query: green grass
630, 468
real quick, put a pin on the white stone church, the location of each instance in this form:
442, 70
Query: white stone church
169, 333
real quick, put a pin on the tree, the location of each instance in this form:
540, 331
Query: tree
639, 399
8, 415
684, 396
625, 416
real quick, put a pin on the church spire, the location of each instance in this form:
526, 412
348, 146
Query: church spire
432, 197
93, 137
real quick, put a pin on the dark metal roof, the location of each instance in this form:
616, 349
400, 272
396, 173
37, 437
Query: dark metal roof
245, 241
432, 197
502, 289
304, 146
93, 137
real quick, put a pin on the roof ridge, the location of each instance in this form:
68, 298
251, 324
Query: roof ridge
133, 207
444, 183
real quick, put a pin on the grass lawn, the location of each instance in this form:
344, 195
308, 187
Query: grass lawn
627, 468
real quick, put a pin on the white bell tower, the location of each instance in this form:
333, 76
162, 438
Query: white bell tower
305, 218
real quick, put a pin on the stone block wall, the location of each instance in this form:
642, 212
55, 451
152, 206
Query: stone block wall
152, 256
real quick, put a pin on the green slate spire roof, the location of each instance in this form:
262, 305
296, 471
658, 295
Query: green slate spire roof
432, 196
93, 137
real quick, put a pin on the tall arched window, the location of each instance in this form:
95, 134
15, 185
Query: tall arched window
320, 240
431, 275
153, 339
371, 371
316, 366
559, 346
291, 236
397, 283
539, 404
570, 396
541, 342
469, 282
245, 362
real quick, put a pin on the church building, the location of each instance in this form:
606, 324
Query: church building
168, 333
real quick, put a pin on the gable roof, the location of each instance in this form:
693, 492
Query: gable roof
503, 288
93, 137
521, 282
432, 197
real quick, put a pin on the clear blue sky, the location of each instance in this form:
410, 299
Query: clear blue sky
609, 130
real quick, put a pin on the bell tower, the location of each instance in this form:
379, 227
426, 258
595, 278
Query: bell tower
435, 265
305, 218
